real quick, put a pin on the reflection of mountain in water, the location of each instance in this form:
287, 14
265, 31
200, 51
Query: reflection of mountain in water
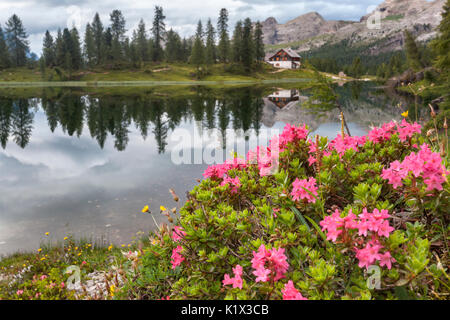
360, 104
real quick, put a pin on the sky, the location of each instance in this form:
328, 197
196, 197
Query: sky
181, 15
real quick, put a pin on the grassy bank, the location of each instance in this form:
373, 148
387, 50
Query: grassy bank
148, 75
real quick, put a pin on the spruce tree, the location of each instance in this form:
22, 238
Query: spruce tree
223, 48
59, 49
16, 38
4, 54
412, 52
159, 31
173, 47
198, 55
118, 34
441, 47
89, 46
76, 49
97, 33
237, 43
259, 43
210, 48
248, 52
48, 50
141, 42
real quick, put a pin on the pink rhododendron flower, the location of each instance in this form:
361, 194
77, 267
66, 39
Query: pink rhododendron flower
19, 292
216, 171
301, 188
291, 134
368, 255
236, 281
177, 258
332, 224
234, 183
343, 144
269, 262
424, 163
178, 233
386, 260
290, 293
406, 130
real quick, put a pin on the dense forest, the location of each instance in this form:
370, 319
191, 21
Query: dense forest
107, 45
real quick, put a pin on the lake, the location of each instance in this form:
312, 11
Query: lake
84, 163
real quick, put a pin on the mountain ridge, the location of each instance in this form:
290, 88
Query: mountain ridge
311, 31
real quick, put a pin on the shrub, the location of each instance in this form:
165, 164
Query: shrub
316, 228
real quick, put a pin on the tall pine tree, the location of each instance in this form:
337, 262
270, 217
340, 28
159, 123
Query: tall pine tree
48, 50
4, 54
223, 48
159, 31
259, 43
99, 41
198, 54
16, 38
210, 48
412, 52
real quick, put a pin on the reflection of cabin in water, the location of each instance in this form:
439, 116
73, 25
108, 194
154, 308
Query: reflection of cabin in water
285, 59
283, 97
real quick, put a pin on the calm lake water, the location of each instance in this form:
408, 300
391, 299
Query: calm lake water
85, 164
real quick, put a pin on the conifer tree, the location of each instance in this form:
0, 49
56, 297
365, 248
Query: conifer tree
98, 37
237, 43
4, 54
159, 31
248, 52
198, 55
89, 46
16, 39
223, 48
48, 50
412, 52
210, 48
259, 43
76, 49
141, 42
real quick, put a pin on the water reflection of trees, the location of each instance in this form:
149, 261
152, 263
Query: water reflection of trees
113, 116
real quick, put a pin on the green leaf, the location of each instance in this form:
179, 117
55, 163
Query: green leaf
314, 224
300, 217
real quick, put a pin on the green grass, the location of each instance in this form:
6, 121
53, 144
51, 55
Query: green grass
394, 17
173, 74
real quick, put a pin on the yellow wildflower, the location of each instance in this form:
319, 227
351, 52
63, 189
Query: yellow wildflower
65, 238
145, 209
110, 247
39, 250
405, 114
47, 233
112, 289
162, 208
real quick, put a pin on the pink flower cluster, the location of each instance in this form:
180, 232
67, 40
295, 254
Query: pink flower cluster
234, 183
219, 170
269, 264
290, 293
376, 222
178, 233
291, 134
370, 253
301, 187
424, 163
177, 258
405, 131
343, 144
236, 281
